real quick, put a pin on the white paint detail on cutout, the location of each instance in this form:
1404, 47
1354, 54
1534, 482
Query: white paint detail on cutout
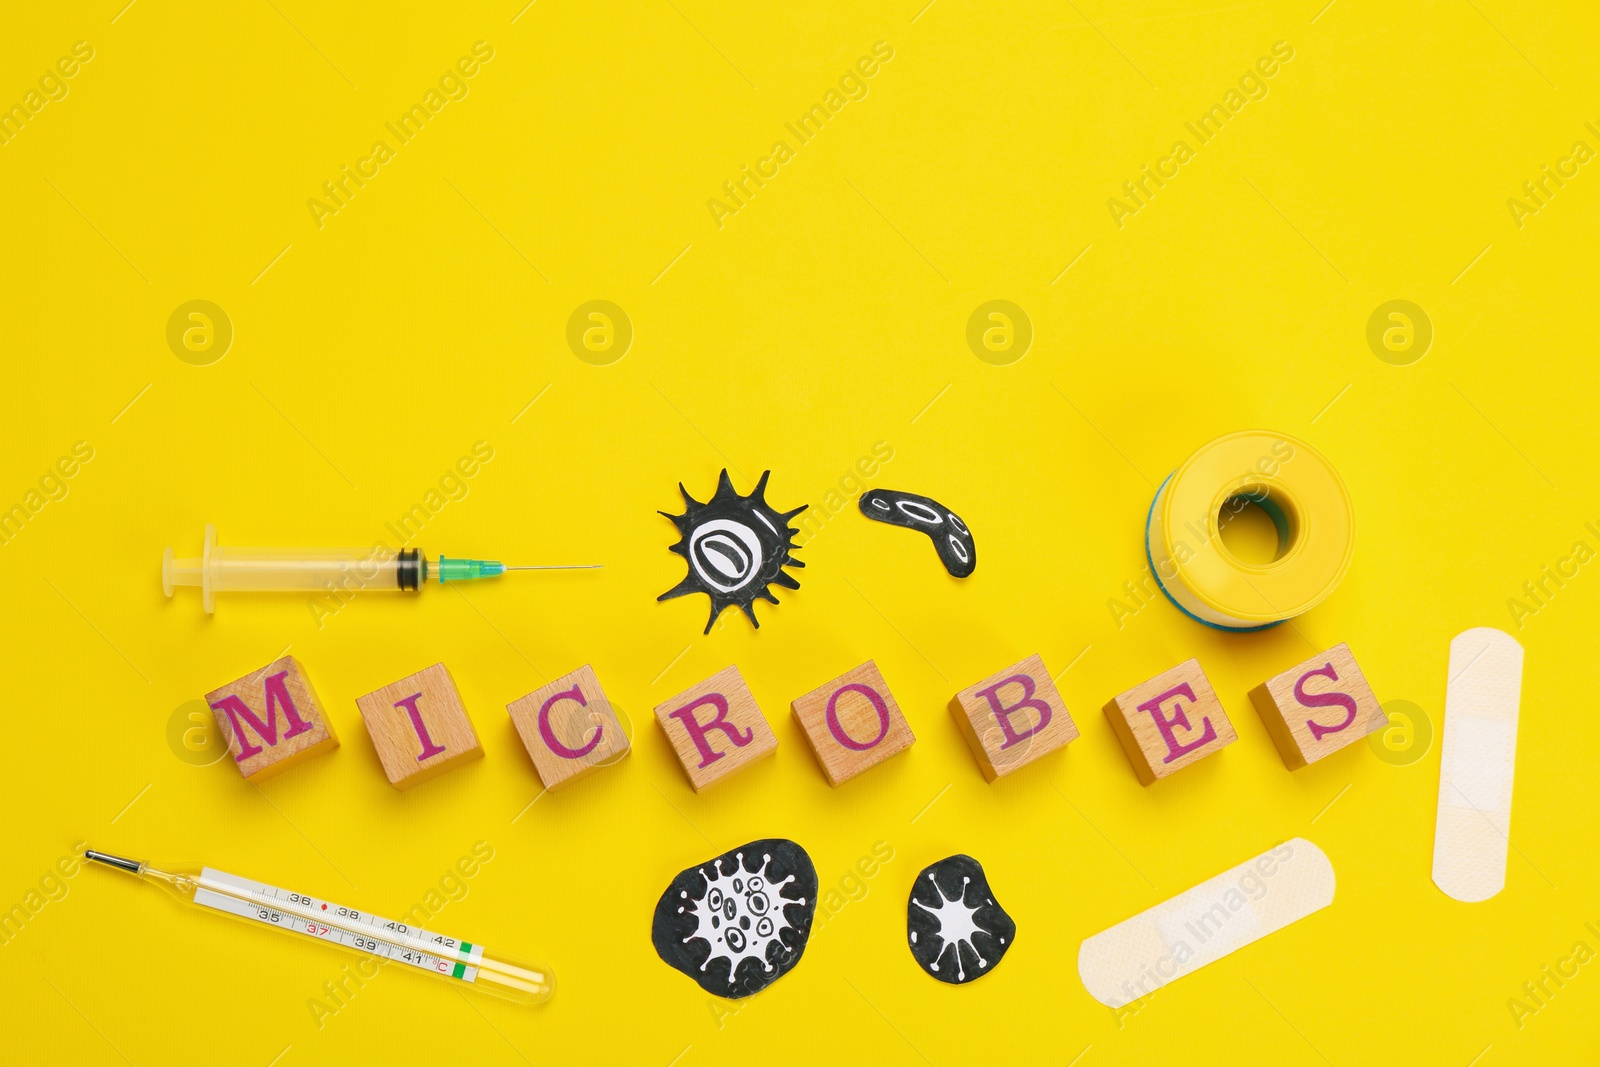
956, 926
1477, 764
716, 556
918, 512
741, 915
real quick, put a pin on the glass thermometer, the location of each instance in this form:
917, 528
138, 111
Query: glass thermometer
398, 942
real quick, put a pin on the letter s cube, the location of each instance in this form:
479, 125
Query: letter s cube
1315, 708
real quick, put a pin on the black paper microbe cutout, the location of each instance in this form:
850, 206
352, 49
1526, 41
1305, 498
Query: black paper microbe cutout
739, 922
950, 536
957, 931
736, 547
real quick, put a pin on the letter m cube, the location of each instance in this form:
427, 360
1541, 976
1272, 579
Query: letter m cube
271, 719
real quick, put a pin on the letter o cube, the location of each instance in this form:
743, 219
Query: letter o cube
852, 723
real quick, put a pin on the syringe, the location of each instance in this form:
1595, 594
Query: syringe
395, 942
322, 570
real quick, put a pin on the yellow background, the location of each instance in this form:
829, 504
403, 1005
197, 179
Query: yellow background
825, 316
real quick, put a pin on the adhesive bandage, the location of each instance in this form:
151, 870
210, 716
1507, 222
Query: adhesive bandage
1478, 764
1140, 955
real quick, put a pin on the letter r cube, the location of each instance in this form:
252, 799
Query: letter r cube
1012, 718
716, 729
271, 719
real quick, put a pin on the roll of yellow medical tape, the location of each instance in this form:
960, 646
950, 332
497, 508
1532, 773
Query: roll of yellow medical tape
1289, 480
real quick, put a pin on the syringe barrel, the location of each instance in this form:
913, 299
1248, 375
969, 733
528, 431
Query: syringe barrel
266, 570
231, 569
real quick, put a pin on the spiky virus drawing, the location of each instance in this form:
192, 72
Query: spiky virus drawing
740, 921
736, 917
957, 931
736, 546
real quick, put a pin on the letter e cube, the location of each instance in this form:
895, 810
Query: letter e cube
1169, 722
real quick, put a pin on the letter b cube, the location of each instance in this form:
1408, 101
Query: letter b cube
1012, 718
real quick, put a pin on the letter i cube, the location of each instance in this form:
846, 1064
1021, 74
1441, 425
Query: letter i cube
1012, 718
716, 728
1315, 708
271, 719
419, 727
1169, 722
569, 728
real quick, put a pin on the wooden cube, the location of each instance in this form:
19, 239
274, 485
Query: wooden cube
248, 713
716, 728
1012, 718
1315, 708
1169, 722
569, 728
419, 727
852, 723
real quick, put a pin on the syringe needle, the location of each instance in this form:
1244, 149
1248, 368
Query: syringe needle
560, 567
457, 570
